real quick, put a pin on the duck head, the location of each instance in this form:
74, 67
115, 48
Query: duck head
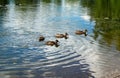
66, 35
56, 41
56, 44
86, 32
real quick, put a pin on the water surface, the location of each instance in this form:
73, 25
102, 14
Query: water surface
22, 56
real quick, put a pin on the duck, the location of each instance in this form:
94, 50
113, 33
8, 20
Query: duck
62, 35
52, 43
79, 32
41, 38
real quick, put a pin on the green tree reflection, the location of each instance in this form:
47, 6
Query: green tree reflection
107, 17
3, 2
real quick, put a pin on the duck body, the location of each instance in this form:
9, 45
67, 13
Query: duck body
52, 43
79, 32
59, 35
41, 38
62, 35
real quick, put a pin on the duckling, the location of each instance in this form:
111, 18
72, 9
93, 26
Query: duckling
41, 38
51, 43
62, 35
79, 32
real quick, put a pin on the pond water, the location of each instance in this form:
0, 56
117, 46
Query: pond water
22, 22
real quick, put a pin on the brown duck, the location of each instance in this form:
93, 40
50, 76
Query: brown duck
79, 32
62, 35
52, 43
41, 38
